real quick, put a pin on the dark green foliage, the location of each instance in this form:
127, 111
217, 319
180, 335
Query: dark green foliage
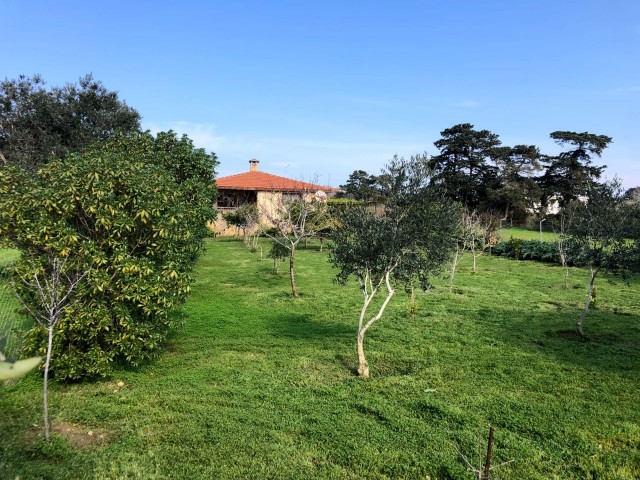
603, 228
279, 252
242, 217
571, 174
527, 250
37, 124
362, 186
516, 190
131, 213
462, 166
414, 236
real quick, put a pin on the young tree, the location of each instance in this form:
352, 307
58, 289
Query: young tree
245, 218
411, 240
46, 295
601, 236
293, 218
37, 124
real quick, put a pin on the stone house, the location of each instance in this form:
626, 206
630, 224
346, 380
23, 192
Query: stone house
264, 190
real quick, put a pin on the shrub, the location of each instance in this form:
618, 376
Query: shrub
132, 214
527, 250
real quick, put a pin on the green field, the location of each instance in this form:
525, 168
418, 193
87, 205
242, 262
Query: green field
526, 234
257, 384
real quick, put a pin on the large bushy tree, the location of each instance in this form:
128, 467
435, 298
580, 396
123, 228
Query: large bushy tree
571, 174
38, 124
462, 167
516, 190
131, 212
409, 241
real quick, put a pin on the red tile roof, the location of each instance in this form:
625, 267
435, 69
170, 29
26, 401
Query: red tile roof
266, 182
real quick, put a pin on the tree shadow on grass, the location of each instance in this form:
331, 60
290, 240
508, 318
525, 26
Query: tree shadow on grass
611, 342
304, 327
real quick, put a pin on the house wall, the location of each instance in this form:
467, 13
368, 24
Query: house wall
267, 204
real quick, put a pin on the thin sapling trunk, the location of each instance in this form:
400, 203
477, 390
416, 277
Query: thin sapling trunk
369, 292
592, 274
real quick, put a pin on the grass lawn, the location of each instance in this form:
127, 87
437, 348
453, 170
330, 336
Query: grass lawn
525, 234
259, 385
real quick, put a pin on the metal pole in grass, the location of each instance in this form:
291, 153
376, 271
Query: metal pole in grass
541, 228
501, 220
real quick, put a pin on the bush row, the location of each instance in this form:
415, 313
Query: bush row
527, 250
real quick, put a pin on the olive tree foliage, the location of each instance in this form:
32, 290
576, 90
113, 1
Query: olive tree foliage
410, 241
38, 124
131, 212
245, 218
603, 236
293, 218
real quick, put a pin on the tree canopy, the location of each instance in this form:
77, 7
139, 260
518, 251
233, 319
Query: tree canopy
131, 213
411, 239
462, 166
38, 124
570, 174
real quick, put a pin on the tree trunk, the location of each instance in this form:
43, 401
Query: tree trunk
587, 302
292, 274
454, 266
45, 401
473, 252
363, 368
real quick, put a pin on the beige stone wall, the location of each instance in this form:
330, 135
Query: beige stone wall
267, 206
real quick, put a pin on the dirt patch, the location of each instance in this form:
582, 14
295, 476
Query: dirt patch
77, 435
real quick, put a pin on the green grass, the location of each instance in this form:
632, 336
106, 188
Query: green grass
526, 234
259, 385
9, 319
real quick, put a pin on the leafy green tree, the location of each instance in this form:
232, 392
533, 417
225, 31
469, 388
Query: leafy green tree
463, 167
38, 124
572, 173
131, 212
362, 186
603, 236
516, 191
413, 239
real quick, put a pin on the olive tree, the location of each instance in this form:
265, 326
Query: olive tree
603, 236
292, 218
412, 239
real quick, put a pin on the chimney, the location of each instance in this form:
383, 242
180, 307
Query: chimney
253, 165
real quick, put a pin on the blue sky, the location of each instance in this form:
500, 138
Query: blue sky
315, 90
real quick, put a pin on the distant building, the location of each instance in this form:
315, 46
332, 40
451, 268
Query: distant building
262, 189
